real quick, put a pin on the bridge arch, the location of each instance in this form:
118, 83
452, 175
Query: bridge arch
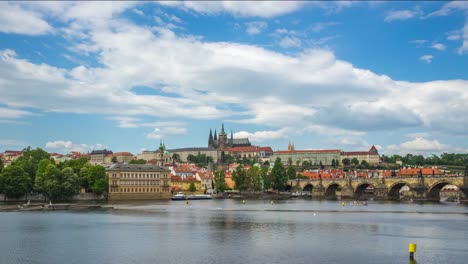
361, 191
330, 191
288, 188
308, 187
394, 190
434, 190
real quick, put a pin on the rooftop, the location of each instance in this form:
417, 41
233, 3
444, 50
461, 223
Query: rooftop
137, 167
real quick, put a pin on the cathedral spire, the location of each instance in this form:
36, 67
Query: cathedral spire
222, 130
210, 139
232, 139
215, 136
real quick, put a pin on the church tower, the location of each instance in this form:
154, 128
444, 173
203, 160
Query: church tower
231, 143
210, 140
222, 142
290, 146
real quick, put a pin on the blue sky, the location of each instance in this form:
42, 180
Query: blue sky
325, 75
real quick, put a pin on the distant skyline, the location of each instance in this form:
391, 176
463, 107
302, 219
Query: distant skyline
78, 76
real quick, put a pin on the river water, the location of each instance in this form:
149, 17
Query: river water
226, 231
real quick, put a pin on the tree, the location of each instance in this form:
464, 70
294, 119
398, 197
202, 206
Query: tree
220, 182
192, 187
364, 163
70, 183
1, 165
355, 161
346, 161
15, 181
239, 178
40, 181
290, 161
176, 157
266, 178
29, 162
114, 159
278, 175
266, 163
291, 173
298, 162
256, 179
97, 179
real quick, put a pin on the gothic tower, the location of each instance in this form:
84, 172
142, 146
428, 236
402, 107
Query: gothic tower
231, 144
210, 140
222, 142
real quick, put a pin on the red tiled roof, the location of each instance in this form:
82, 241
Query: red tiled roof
250, 149
123, 154
307, 151
358, 153
176, 178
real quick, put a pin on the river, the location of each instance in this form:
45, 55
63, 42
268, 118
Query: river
226, 231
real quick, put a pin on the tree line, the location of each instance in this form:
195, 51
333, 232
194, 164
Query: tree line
36, 172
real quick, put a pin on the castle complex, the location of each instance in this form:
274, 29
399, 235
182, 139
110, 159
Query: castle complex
222, 142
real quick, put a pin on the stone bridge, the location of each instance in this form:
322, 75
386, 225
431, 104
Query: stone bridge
421, 187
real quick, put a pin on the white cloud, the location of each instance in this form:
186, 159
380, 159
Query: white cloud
239, 8
241, 82
166, 131
422, 146
67, 146
449, 8
138, 12
318, 27
438, 46
454, 36
418, 41
426, 58
17, 20
290, 42
9, 113
255, 27
402, 15
260, 136
464, 34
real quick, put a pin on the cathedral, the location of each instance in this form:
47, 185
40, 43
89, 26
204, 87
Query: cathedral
221, 141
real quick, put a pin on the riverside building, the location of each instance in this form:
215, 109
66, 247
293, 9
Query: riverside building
138, 181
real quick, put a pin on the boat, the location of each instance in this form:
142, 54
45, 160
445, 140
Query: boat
359, 203
179, 196
199, 197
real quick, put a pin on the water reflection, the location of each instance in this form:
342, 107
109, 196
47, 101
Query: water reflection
227, 231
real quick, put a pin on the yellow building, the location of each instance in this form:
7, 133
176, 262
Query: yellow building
180, 184
371, 156
138, 181
123, 157
100, 156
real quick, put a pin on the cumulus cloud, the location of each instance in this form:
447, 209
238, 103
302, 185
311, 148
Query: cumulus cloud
260, 136
438, 46
423, 146
426, 58
238, 8
255, 27
15, 19
318, 27
66, 146
402, 15
244, 83
166, 131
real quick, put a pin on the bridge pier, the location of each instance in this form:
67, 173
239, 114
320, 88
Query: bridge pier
347, 192
318, 191
380, 192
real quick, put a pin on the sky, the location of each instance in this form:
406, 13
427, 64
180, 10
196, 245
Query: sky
78, 76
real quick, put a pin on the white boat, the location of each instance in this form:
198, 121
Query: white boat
179, 196
199, 197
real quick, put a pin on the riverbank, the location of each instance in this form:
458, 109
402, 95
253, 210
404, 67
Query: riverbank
53, 207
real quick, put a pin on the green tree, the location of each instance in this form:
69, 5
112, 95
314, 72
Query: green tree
266, 178
176, 157
279, 176
298, 162
291, 173
1, 165
75, 164
97, 179
364, 163
40, 181
192, 187
239, 178
83, 177
138, 161
355, 161
70, 183
290, 161
114, 159
256, 179
219, 181
53, 182
29, 162
346, 161
15, 181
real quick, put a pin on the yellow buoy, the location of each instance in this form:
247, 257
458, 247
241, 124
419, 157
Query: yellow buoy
243, 201
343, 204
411, 250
